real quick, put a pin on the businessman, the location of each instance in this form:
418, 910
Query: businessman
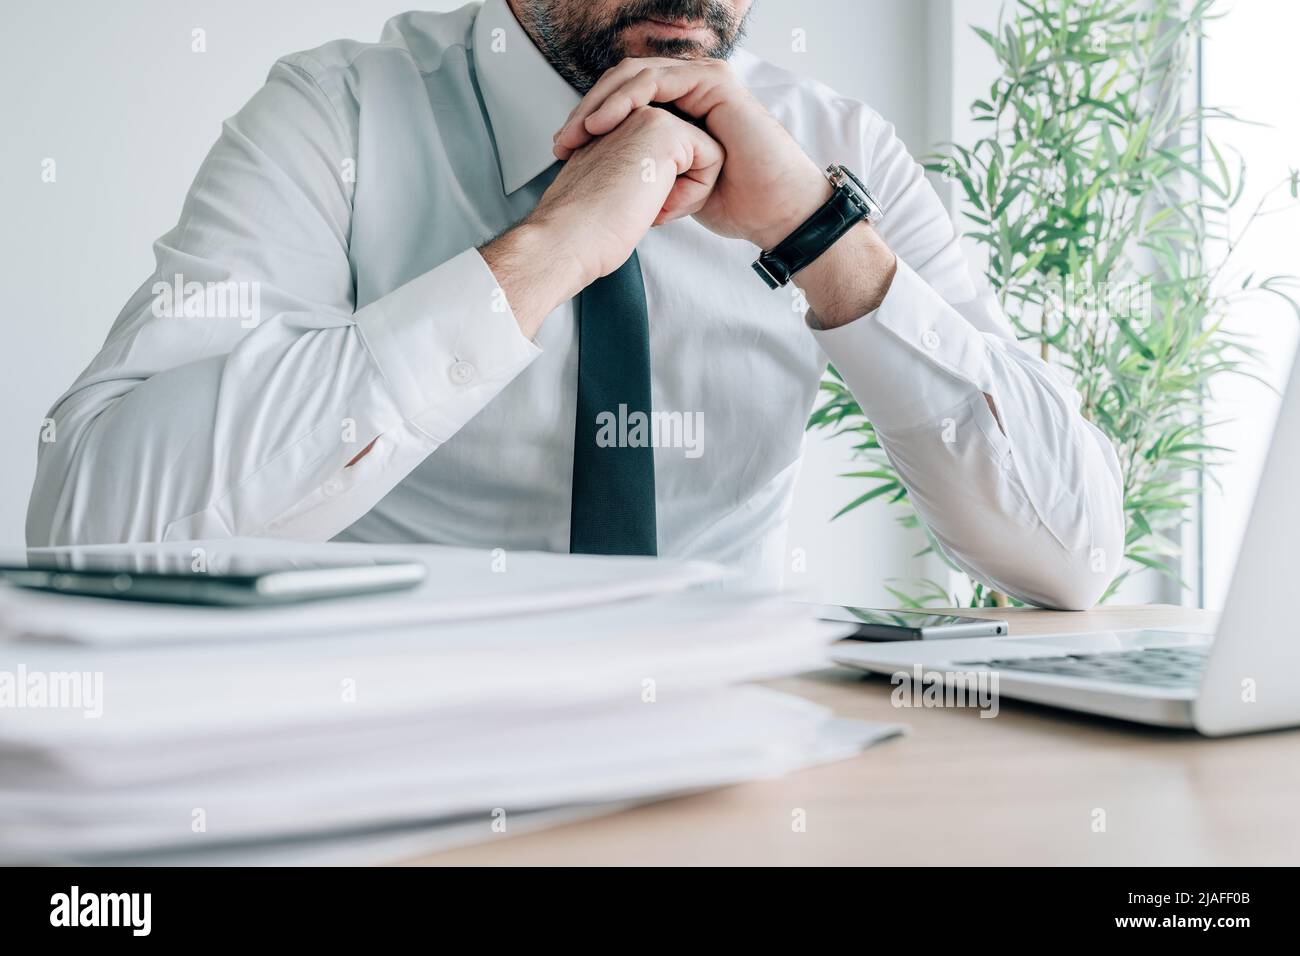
564, 275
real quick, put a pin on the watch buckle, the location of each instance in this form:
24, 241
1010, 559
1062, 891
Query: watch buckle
766, 275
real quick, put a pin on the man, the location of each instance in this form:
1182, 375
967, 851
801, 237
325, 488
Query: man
501, 264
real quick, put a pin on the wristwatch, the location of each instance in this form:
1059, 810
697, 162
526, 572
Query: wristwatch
850, 204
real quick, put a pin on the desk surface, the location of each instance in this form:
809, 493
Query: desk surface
1021, 788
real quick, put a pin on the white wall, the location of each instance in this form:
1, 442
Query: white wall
114, 94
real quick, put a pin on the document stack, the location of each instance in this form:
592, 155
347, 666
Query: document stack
509, 691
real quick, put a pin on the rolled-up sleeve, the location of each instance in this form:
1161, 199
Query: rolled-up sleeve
1027, 498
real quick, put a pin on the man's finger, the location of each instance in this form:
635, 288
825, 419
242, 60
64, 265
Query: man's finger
696, 178
612, 79
648, 86
645, 88
651, 86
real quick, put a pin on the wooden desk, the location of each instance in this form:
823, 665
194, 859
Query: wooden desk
960, 789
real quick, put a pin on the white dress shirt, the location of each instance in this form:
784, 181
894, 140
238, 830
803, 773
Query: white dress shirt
346, 201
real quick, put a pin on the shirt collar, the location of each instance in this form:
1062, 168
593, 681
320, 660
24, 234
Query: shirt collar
526, 100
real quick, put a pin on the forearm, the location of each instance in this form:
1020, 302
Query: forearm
1020, 491
265, 434
849, 280
536, 271
1018, 488
218, 447
1039, 517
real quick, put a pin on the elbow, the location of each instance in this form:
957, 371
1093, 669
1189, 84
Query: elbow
68, 506
1037, 567
42, 506
1073, 589
48, 523
1076, 561
1077, 578
1067, 568
1066, 580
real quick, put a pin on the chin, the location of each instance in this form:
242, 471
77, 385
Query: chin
679, 49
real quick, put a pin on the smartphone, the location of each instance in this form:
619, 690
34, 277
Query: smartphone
876, 625
216, 580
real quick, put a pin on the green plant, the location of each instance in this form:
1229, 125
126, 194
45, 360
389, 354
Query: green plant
1103, 209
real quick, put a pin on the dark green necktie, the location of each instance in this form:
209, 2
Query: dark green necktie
613, 480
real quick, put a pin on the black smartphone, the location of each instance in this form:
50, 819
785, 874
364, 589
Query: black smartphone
878, 625
180, 578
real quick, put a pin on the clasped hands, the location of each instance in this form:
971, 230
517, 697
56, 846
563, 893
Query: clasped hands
630, 165
735, 169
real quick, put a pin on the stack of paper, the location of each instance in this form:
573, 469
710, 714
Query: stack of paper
480, 703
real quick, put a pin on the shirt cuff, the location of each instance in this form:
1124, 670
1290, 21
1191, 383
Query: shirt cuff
912, 359
446, 343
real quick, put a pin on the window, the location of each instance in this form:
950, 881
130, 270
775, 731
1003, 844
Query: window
1249, 66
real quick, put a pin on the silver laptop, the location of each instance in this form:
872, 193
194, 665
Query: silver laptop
1244, 677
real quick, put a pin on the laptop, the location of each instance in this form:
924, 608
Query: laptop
1244, 677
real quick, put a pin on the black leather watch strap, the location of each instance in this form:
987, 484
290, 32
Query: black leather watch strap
817, 234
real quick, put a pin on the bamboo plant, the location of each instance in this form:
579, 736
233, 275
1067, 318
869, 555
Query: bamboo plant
1103, 208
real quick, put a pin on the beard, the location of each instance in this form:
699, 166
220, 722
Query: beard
582, 47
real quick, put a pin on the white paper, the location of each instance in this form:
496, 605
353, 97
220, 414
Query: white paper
462, 584
694, 641
725, 738
561, 686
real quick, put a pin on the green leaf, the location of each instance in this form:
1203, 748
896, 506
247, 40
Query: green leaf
1088, 170
868, 496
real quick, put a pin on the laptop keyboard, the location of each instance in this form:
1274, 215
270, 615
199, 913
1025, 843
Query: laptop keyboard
1172, 667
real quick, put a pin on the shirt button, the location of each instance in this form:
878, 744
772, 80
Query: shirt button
930, 339
462, 373
332, 487
1007, 462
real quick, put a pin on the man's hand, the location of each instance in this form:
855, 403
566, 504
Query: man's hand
768, 185
654, 168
